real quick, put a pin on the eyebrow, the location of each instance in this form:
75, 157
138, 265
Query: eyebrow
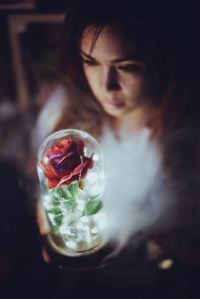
127, 57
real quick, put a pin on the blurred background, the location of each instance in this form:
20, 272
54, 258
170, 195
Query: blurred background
29, 36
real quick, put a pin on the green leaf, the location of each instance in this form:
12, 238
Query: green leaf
55, 201
70, 204
58, 219
61, 193
74, 189
92, 206
54, 211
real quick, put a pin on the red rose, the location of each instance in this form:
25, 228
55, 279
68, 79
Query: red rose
66, 163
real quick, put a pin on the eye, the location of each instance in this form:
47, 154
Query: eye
131, 68
88, 61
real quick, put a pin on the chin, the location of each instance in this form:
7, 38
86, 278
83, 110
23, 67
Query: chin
115, 113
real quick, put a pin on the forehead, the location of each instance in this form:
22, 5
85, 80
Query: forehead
110, 40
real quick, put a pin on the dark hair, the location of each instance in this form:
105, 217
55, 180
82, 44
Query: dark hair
153, 30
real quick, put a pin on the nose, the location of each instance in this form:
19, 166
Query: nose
110, 80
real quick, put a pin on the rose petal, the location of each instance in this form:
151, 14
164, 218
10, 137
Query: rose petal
49, 171
81, 147
67, 180
65, 157
52, 183
67, 162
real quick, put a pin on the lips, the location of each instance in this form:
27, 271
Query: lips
112, 103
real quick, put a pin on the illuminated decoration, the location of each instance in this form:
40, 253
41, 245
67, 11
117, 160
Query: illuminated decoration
165, 264
71, 174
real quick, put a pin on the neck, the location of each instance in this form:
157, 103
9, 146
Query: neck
136, 120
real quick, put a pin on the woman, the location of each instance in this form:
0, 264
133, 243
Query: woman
117, 78
130, 60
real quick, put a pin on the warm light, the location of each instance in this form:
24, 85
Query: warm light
165, 264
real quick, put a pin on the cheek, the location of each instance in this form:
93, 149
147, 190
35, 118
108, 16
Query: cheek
133, 85
132, 80
138, 86
91, 77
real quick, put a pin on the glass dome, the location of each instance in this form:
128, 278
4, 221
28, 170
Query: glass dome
70, 167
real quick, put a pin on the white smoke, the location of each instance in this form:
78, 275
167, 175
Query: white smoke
137, 197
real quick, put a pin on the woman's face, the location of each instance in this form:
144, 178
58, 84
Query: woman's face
118, 80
